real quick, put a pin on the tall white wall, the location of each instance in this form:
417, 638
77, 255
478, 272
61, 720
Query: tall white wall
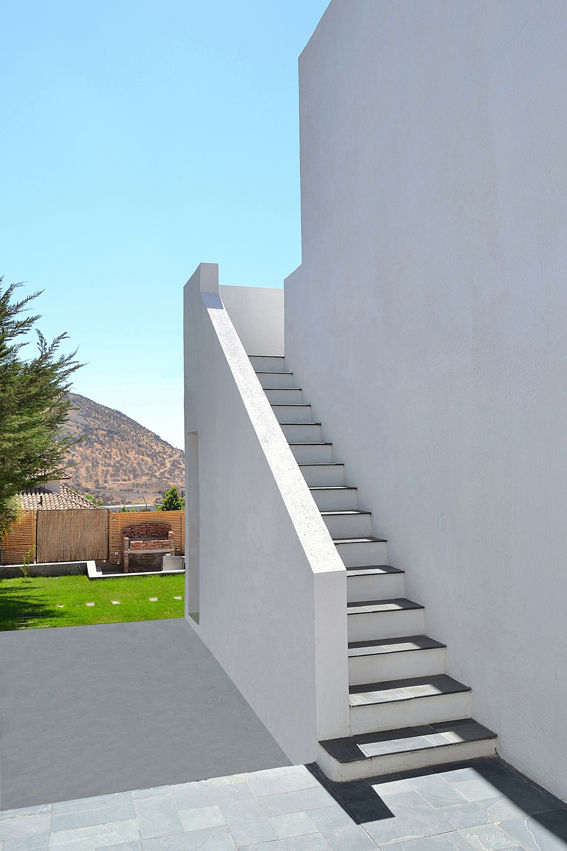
266, 587
427, 325
257, 314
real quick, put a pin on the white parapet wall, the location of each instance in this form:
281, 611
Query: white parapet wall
266, 587
427, 325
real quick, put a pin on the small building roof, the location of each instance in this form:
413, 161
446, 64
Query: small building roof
42, 498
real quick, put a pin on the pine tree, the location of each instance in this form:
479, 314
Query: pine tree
172, 501
34, 402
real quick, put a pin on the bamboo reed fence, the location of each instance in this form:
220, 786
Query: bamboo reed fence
79, 534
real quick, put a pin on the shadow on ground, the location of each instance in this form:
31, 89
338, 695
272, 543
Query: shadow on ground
454, 806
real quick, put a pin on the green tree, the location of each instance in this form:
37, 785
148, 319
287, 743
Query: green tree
34, 402
172, 501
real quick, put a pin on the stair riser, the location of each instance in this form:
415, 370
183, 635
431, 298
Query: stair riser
285, 396
293, 413
396, 666
303, 432
349, 525
340, 500
367, 627
268, 364
364, 552
399, 762
377, 587
409, 713
320, 475
306, 454
273, 379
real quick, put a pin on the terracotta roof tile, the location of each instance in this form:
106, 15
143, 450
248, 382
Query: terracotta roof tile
41, 498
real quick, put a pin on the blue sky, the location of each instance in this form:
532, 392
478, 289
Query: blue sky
138, 139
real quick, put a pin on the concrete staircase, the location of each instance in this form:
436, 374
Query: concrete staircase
405, 711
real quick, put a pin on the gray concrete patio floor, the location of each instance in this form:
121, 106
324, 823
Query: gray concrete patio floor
481, 805
93, 710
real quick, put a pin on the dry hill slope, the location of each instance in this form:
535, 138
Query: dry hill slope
119, 460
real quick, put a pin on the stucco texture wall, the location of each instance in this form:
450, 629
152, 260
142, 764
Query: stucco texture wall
427, 322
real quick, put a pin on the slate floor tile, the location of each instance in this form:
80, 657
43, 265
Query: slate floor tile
202, 794
247, 822
287, 779
126, 846
313, 842
97, 836
445, 842
412, 818
211, 839
295, 802
157, 817
293, 824
488, 837
543, 832
120, 810
341, 831
21, 826
94, 803
201, 818
37, 842
436, 791
478, 813
25, 811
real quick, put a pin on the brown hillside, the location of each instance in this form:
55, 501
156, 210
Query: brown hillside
119, 460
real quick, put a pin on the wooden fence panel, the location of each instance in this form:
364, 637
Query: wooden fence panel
20, 540
72, 534
119, 519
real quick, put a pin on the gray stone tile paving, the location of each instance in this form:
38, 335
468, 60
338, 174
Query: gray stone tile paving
483, 805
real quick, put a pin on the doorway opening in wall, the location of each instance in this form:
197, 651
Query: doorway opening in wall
192, 519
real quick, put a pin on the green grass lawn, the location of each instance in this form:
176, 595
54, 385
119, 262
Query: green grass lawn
62, 600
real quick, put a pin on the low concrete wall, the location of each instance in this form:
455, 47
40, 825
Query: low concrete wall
266, 587
64, 568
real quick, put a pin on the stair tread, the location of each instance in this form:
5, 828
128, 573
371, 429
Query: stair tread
396, 604
298, 423
372, 570
380, 646
321, 463
291, 389
273, 372
359, 540
341, 511
406, 739
308, 443
393, 691
288, 404
331, 487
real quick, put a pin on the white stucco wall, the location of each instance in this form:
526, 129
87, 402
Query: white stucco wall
427, 325
271, 587
257, 314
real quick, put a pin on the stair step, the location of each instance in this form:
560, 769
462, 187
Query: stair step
284, 395
267, 363
405, 749
349, 523
376, 619
394, 658
335, 498
296, 412
311, 453
416, 700
374, 582
330, 473
361, 550
276, 380
302, 432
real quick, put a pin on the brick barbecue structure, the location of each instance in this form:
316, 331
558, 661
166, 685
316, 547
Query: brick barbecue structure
146, 539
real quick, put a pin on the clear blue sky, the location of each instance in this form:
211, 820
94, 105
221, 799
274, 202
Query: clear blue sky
138, 139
